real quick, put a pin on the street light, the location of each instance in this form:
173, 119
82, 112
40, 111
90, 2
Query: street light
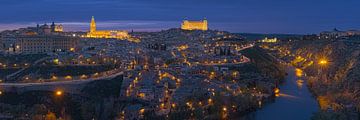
58, 93
323, 62
209, 100
173, 105
224, 109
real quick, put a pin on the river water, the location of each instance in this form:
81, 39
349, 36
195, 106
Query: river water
295, 102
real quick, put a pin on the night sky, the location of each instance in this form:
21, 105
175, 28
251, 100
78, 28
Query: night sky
250, 16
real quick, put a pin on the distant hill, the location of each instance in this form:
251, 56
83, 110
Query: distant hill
257, 36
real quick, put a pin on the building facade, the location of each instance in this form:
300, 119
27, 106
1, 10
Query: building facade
56, 28
39, 44
194, 25
116, 34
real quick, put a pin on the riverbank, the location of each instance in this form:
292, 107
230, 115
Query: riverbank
333, 71
266, 63
295, 101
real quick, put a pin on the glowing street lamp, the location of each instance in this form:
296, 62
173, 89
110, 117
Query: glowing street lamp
323, 62
224, 109
162, 105
173, 105
209, 100
58, 93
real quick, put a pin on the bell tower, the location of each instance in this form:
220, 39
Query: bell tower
92, 25
205, 24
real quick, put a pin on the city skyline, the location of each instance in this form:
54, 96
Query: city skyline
179, 60
300, 17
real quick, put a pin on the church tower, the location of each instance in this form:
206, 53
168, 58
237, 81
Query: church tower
205, 24
92, 25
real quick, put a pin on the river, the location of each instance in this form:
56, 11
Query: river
295, 102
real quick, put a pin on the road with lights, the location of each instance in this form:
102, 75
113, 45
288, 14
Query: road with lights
72, 85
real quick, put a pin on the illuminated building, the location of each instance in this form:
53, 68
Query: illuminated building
194, 25
42, 44
117, 34
56, 28
267, 40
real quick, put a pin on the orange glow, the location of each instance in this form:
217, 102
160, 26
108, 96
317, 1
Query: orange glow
162, 105
142, 110
235, 73
189, 104
96, 74
298, 72
54, 77
142, 95
58, 93
209, 100
299, 83
83, 76
117, 34
194, 25
323, 62
68, 77
324, 102
183, 47
224, 109
276, 90
178, 80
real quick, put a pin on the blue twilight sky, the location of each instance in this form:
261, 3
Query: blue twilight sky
255, 16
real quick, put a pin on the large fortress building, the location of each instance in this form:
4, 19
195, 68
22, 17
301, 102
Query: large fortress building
194, 25
117, 34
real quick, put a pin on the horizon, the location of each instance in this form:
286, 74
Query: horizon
268, 17
136, 26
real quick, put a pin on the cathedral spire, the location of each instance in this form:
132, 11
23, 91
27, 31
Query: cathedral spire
92, 24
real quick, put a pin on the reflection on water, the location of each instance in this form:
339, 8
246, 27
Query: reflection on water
294, 102
287, 95
298, 72
299, 83
260, 104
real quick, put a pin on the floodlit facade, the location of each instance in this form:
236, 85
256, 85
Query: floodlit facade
269, 40
42, 44
117, 34
194, 25
56, 28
